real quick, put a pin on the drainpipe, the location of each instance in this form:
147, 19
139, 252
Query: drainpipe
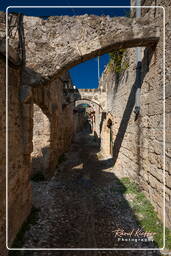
138, 67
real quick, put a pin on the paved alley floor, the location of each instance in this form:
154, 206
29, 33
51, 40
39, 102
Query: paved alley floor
78, 207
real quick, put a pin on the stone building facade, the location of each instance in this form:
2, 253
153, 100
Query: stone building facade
138, 150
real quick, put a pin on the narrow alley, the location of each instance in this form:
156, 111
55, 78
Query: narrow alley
82, 206
85, 155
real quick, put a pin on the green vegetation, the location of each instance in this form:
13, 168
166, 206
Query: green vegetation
118, 62
145, 213
31, 220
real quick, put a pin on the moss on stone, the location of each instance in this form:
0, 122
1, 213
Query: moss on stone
148, 220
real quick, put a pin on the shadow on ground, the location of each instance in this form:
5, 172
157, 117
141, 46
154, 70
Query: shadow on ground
83, 206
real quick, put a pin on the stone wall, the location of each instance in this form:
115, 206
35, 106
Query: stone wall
19, 143
2, 156
19, 189
79, 120
157, 14
138, 142
41, 141
107, 135
59, 110
58, 124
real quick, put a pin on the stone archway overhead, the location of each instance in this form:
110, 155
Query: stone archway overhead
61, 42
90, 102
96, 97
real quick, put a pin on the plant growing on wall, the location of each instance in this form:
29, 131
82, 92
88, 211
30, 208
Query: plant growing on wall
118, 62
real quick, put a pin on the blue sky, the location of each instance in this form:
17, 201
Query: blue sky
84, 75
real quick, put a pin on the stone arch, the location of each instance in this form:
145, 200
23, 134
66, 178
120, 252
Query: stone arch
53, 103
49, 54
91, 102
41, 143
81, 105
96, 118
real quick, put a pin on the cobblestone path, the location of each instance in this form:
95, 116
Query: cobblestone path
79, 207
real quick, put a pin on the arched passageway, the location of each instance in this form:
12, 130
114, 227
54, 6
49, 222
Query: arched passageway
41, 143
94, 113
88, 116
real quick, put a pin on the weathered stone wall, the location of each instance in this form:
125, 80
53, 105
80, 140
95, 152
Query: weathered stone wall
79, 121
156, 114
157, 14
19, 189
107, 135
60, 113
59, 123
138, 144
2, 158
41, 141
19, 143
